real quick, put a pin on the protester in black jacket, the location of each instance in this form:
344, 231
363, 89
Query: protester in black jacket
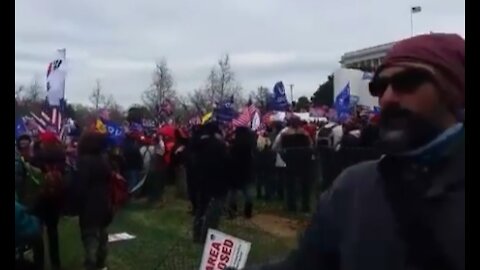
241, 167
193, 186
95, 212
296, 151
179, 163
133, 161
211, 166
407, 210
369, 135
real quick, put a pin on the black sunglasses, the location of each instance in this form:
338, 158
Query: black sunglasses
405, 82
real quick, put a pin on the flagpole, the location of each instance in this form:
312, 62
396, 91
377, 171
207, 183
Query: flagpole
291, 92
414, 9
411, 22
64, 52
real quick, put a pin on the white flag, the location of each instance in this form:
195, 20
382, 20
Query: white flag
256, 121
56, 78
416, 9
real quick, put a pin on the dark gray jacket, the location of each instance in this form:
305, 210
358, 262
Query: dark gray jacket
391, 215
93, 191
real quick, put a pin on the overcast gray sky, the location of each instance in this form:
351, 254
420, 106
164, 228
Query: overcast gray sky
297, 41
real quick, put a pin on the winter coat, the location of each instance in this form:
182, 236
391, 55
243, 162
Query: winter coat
133, 158
389, 214
26, 226
241, 157
211, 162
94, 183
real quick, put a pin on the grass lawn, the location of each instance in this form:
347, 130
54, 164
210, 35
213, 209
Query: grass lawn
164, 238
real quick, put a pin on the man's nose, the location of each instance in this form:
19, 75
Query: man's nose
389, 97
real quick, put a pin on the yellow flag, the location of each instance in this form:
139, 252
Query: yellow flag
100, 127
206, 117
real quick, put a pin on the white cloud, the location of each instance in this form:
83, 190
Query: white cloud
300, 42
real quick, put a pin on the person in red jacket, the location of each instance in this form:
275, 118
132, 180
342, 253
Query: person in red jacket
50, 158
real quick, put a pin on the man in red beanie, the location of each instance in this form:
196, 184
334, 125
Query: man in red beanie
406, 210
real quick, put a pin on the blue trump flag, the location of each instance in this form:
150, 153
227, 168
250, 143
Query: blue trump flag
115, 132
342, 103
225, 112
279, 101
376, 110
20, 127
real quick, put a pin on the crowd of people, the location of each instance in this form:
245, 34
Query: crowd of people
403, 210
210, 164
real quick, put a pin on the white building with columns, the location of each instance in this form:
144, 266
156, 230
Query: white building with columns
367, 59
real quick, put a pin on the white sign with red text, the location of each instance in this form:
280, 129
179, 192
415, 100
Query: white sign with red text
222, 250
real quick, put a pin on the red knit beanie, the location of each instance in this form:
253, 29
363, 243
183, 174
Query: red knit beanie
48, 137
444, 52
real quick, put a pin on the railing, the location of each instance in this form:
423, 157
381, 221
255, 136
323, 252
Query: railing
334, 162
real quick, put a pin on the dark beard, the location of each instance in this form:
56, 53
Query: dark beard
402, 130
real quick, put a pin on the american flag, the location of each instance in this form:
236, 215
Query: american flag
244, 119
52, 122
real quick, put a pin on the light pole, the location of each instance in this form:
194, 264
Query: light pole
413, 10
291, 92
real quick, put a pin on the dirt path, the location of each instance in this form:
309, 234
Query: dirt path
279, 226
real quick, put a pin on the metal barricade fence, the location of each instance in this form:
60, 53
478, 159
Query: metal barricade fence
333, 162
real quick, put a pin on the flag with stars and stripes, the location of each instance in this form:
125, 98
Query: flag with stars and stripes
50, 119
244, 119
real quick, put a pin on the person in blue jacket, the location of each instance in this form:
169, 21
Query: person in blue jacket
28, 232
26, 226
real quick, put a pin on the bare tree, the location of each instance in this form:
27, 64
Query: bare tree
34, 92
226, 78
182, 109
260, 97
110, 101
116, 112
221, 83
19, 91
200, 101
97, 97
161, 88
211, 89
83, 114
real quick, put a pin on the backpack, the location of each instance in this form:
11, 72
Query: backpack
118, 191
325, 136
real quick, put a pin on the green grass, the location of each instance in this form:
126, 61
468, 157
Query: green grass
164, 239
